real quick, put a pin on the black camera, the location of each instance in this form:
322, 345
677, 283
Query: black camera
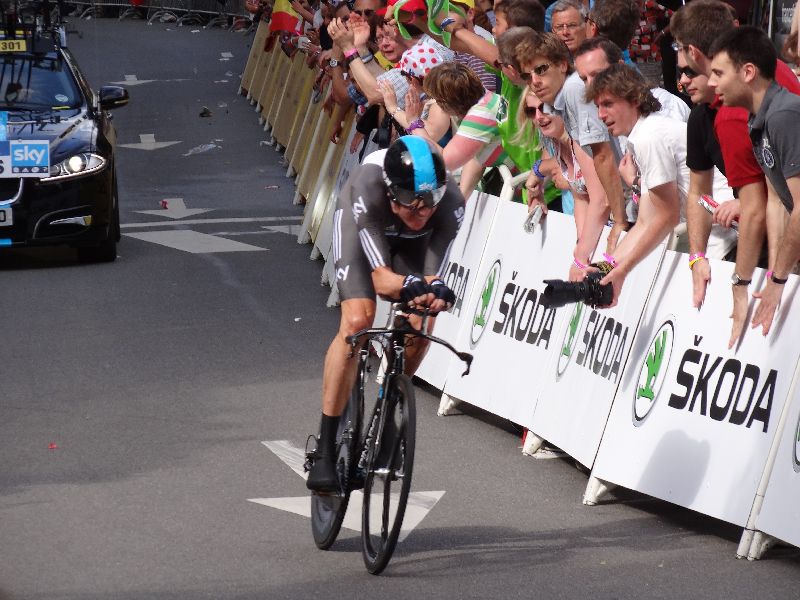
560, 293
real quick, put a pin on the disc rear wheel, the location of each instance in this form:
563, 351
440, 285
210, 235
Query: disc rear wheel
328, 510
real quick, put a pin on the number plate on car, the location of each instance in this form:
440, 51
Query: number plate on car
6, 217
13, 45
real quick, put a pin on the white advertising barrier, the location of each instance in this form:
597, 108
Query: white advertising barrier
780, 512
589, 359
693, 421
505, 326
460, 276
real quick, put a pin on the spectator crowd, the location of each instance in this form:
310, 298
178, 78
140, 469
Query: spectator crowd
709, 153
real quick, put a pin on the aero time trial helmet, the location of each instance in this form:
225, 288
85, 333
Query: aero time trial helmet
414, 169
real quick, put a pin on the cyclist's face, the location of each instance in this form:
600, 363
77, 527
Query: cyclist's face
415, 216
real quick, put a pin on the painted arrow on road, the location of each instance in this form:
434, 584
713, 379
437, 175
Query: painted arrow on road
132, 80
147, 141
176, 209
418, 507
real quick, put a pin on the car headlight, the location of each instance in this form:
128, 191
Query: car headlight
77, 165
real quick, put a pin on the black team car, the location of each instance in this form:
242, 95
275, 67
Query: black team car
58, 180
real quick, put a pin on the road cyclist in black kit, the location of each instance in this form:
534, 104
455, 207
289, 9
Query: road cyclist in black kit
393, 227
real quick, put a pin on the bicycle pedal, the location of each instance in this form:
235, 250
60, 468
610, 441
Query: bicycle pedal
311, 455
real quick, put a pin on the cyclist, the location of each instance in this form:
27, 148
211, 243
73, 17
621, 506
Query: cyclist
394, 223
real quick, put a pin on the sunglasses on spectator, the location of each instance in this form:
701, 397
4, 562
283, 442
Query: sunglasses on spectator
678, 47
530, 111
538, 71
688, 71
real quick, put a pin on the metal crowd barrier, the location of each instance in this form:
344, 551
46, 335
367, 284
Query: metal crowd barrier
209, 13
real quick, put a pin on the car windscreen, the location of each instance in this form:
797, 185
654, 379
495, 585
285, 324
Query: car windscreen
32, 82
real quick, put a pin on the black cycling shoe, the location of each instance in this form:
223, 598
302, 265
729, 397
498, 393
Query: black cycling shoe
322, 477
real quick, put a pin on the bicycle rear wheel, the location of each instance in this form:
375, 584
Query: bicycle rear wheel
328, 510
389, 470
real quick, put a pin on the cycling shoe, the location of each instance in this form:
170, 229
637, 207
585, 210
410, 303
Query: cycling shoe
323, 477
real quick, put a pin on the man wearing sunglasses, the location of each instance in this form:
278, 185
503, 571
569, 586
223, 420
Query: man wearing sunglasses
394, 223
695, 27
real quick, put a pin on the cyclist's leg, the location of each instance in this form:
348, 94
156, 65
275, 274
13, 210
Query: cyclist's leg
357, 312
338, 378
340, 368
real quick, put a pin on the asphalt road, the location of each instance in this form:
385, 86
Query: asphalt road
136, 397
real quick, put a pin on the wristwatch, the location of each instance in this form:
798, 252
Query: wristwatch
736, 280
333, 63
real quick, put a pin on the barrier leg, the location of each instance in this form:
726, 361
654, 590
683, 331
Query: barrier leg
595, 490
448, 406
290, 172
333, 297
531, 443
761, 543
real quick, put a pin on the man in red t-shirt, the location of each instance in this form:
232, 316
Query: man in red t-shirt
695, 27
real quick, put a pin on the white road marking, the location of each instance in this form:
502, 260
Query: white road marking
418, 506
212, 221
147, 141
290, 229
132, 80
226, 56
193, 241
176, 209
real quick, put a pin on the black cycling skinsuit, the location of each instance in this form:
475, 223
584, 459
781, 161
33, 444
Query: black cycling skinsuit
368, 235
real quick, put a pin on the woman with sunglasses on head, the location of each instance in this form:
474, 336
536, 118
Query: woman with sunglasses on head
558, 162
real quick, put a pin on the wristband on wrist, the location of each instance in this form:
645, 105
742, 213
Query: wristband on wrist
350, 53
773, 279
447, 21
693, 258
578, 264
416, 124
535, 169
610, 259
366, 58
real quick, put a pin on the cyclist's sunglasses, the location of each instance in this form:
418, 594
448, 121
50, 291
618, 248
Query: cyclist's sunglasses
409, 199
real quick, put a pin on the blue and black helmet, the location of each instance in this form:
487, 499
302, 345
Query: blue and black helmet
414, 169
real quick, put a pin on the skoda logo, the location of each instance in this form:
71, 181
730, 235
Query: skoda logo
485, 302
652, 372
570, 339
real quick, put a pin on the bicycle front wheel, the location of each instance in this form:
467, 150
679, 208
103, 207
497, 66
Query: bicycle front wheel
328, 510
388, 481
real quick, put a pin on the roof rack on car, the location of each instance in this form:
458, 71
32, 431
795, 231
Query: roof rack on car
36, 24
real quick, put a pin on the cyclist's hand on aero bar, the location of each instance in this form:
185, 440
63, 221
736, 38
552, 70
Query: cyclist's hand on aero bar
445, 298
416, 293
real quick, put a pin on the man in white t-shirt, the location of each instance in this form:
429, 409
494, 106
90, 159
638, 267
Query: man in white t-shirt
656, 151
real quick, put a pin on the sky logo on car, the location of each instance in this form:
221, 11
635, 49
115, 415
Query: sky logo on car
30, 158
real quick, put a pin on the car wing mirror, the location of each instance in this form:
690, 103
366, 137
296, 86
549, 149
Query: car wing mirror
113, 96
